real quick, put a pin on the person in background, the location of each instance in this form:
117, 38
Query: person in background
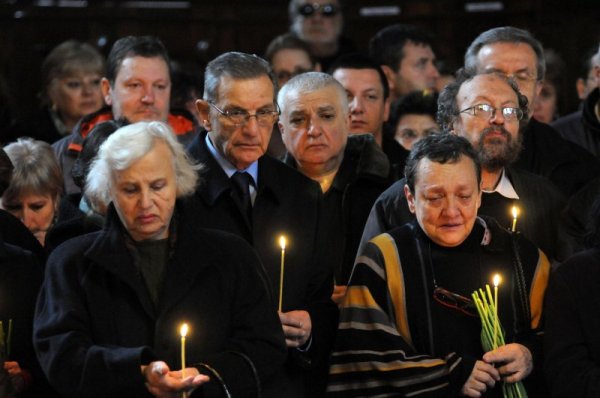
36, 186
587, 80
320, 23
288, 56
112, 302
407, 325
21, 274
406, 55
548, 103
369, 104
413, 118
583, 127
77, 213
71, 75
136, 87
571, 345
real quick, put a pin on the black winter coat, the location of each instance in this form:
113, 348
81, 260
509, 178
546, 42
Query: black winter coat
95, 323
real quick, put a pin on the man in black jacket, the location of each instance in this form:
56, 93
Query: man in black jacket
352, 170
259, 198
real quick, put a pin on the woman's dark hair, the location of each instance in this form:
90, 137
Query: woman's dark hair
89, 149
440, 148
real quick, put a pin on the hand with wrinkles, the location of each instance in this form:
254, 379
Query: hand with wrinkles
297, 327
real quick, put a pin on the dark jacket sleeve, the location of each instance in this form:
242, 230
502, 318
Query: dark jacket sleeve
63, 340
256, 349
571, 343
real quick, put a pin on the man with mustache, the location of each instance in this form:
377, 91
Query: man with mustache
489, 111
137, 87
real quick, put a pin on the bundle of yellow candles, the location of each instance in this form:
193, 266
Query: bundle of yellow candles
492, 335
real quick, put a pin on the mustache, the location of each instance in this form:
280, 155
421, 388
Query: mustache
496, 130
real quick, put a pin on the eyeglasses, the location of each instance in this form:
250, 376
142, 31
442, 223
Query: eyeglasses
327, 10
240, 117
487, 112
455, 301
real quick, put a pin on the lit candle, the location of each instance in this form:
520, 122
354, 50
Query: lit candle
183, 331
496, 283
282, 242
515, 213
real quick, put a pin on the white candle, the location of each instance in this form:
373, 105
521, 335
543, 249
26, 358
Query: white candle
515, 213
282, 242
183, 331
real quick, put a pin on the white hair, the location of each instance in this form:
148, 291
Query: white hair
310, 82
130, 143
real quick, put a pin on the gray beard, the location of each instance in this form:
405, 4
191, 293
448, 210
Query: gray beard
497, 153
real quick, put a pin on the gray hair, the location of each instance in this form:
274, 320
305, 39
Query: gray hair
235, 65
309, 82
36, 170
506, 34
447, 109
130, 143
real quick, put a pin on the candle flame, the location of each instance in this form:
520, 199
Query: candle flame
497, 280
282, 242
515, 211
183, 331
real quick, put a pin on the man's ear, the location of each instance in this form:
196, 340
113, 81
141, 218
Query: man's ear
390, 74
410, 199
106, 91
203, 110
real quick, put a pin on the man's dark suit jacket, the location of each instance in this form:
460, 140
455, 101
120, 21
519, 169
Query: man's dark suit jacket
286, 203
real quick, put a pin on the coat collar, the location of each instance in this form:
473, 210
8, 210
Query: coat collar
214, 182
109, 251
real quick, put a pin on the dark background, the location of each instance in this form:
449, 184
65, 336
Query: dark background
196, 31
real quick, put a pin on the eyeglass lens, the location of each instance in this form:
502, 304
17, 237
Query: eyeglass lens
327, 10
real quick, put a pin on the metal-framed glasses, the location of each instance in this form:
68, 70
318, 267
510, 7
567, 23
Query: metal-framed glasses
455, 301
487, 112
240, 117
326, 10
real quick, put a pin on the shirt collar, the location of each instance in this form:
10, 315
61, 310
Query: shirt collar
505, 187
226, 165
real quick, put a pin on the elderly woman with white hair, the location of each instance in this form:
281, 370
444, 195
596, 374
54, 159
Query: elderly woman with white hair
110, 308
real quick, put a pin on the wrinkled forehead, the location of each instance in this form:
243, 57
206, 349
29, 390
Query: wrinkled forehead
330, 97
488, 87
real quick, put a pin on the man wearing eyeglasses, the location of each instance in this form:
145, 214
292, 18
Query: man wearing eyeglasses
408, 326
248, 193
319, 23
488, 110
515, 52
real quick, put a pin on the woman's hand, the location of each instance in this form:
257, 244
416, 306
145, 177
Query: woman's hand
164, 383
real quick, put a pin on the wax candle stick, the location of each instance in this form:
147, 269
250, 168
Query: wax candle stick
183, 331
515, 213
496, 283
282, 242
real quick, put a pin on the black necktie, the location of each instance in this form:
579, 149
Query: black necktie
241, 191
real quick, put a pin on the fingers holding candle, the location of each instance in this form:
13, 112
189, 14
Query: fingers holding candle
161, 381
297, 327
